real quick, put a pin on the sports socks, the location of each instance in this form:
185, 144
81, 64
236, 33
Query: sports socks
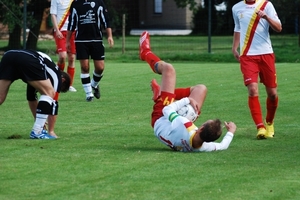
71, 72
44, 108
86, 83
151, 59
61, 66
96, 79
255, 110
271, 109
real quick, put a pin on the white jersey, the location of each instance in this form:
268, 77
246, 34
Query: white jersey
60, 8
254, 35
177, 132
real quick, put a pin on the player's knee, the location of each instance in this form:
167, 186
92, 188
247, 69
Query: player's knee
169, 69
200, 88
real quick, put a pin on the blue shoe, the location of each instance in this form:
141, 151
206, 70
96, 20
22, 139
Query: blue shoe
43, 135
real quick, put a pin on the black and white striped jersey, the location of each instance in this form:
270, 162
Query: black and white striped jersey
88, 18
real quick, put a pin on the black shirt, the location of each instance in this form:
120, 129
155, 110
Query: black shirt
88, 18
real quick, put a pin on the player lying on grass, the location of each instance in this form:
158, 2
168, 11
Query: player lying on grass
37, 70
170, 128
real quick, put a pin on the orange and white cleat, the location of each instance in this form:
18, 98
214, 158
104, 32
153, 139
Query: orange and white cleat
155, 89
144, 44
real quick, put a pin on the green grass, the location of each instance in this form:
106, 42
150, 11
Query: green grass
107, 149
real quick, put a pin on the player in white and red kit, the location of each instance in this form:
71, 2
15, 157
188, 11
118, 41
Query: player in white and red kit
171, 129
252, 19
59, 11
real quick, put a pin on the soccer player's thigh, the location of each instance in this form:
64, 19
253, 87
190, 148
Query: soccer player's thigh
4, 86
268, 71
249, 69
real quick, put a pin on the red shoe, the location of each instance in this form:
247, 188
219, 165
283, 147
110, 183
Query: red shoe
155, 89
144, 44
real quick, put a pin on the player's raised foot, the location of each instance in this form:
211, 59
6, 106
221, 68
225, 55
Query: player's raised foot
155, 89
43, 135
72, 89
96, 92
144, 44
270, 130
261, 133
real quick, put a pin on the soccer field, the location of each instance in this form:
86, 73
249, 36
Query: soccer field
107, 149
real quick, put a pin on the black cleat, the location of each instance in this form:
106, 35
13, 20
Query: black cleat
96, 92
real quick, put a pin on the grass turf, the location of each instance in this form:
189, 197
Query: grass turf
107, 149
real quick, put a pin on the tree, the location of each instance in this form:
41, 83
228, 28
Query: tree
11, 14
36, 8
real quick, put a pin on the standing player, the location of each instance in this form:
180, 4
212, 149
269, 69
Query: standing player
171, 129
252, 20
37, 70
89, 17
59, 11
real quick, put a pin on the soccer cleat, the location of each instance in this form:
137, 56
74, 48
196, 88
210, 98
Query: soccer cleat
96, 92
155, 89
72, 89
270, 130
261, 133
144, 44
89, 99
43, 135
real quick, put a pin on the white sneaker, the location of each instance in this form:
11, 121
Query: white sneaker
72, 89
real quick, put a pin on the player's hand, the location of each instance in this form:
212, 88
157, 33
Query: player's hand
261, 14
53, 134
194, 104
230, 126
110, 41
236, 55
59, 34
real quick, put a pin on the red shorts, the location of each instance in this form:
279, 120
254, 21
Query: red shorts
163, 100
61, 43
262, 66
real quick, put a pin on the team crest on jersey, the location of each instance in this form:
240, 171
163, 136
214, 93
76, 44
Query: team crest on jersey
93, 4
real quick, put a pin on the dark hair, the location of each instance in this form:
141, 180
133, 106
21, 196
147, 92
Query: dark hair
211, 131
66, 82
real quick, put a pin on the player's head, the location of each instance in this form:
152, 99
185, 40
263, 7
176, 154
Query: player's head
211, 130
66, 81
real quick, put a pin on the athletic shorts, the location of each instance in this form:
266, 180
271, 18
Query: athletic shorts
262, 66
163, 100
85, 50
61, 43
13, 69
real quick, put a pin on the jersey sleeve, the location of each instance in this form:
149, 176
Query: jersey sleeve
53, 7
72, 20
270, 10
105, 17
175, 106
214, 146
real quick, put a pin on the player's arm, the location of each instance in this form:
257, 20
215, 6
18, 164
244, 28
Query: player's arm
235, 45
110, 39
171, 109
214, 146
224, 144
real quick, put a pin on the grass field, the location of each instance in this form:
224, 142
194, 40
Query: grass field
107, 149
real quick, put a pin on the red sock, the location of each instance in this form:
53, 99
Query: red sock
182, 92
151, 59
271, 109
71, 72
255, 110
61, 66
